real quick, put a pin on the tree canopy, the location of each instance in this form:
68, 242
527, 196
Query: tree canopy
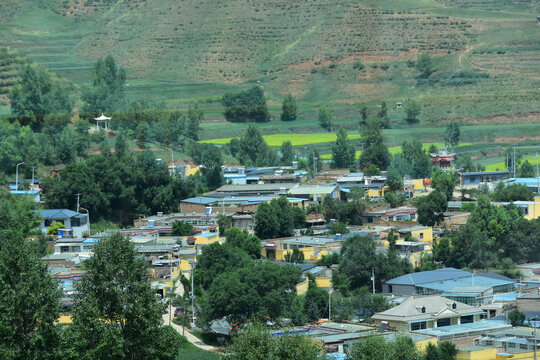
246, 106
36, 95
325, 119
342, 151
116, 313
107, 91
288, 108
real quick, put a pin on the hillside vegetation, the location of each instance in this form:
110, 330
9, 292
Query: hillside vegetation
194, 51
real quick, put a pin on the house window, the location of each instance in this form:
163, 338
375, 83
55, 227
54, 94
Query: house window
419, 325
523, 347
48, 222
75, 222
421, 236
511, 345
467, 319
525, 210
64, 249
444, 322
390, 288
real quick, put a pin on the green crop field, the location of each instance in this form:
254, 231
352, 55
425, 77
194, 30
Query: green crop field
295, 139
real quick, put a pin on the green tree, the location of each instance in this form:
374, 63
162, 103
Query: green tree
363, 114
223, 223
54, 227
217, 259
30, 301
412, 109
266, 221
241, 239
259, 290
526, 170
342, 151
394, 180
394, 199
516, 318
36, 95
253, 150
195, 116
377, 348
287, 153
325, 119
431, 208
452, 134
512, 192
246, 105
142, 131
383, 115
444, 183
295, 257
182, 228
256, 343
116, 314
299, 217
447, 350
424, 65
315, 303
274, 219
288, 108
372, 170
107, 91
374, 151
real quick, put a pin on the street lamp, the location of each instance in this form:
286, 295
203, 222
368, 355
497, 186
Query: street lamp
87, 218
192, 296
17, 175
330, 302
172, 155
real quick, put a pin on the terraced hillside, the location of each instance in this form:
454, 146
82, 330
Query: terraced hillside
11, 63
192, 51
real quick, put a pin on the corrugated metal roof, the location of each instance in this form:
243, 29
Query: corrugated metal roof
58, 213
428, 276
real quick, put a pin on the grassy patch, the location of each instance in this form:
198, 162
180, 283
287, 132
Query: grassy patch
190, 351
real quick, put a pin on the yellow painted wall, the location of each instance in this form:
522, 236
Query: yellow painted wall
482, 354
64, 319
302, 287
523, 356
418, 184
192, 170
422, 344
324, 282
534, 209
428, 235
200, 240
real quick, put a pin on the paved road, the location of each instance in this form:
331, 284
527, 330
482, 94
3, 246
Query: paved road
191, 338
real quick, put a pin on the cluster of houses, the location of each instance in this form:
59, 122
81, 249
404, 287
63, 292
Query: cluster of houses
447, 304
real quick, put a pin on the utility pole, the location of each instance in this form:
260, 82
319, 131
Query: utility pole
315, 163
373, 279
172, 292
537, 176
514, 162
329, 304
78, 201
192, 297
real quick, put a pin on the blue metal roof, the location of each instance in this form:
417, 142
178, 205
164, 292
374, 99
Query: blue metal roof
428, 276
58, 213
201, 200
469, 281
475, 173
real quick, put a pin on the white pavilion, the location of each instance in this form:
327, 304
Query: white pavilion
102, 122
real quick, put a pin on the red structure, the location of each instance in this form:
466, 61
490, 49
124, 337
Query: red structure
443, 158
